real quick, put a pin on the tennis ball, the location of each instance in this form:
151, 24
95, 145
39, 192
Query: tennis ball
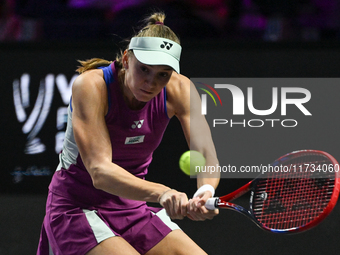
190, 160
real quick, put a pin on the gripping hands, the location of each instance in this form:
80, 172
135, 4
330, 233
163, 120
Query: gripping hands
178, 206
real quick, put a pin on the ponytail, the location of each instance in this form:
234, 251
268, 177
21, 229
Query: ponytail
92, 63
154, 27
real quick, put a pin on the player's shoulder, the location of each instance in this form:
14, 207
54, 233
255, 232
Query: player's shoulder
178, 94
178, 84
91, 80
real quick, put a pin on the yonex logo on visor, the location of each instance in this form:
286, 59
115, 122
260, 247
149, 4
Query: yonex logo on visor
166, 45
156, 51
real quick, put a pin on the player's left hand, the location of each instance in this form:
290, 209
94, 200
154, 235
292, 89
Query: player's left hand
197, 211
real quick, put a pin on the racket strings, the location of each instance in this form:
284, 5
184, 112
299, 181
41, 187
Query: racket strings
288, 200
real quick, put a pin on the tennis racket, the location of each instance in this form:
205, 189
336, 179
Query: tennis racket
299, 192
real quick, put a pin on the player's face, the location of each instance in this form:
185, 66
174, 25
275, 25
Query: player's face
145, 81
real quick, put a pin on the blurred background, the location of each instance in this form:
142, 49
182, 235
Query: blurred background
237, 20
41, 41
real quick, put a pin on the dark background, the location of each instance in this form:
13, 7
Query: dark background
238, 48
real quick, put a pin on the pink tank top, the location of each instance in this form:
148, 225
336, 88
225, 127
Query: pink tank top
134, 137
134, 134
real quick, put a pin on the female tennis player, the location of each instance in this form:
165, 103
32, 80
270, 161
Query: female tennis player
117, 116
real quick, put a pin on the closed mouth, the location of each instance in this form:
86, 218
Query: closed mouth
146, 92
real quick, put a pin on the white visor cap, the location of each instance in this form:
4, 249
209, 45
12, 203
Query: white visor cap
156, 51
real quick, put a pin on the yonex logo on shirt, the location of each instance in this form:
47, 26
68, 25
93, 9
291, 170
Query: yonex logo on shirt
138, 124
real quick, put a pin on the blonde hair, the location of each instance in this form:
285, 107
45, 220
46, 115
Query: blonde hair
154, 27
92, 63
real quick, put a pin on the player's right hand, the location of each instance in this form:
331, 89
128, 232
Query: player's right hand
175, 203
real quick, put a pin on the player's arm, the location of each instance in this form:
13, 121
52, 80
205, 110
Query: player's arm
90, 105
197, 133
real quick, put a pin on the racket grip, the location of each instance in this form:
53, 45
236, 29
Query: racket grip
211, 203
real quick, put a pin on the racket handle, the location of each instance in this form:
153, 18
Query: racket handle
211, 203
